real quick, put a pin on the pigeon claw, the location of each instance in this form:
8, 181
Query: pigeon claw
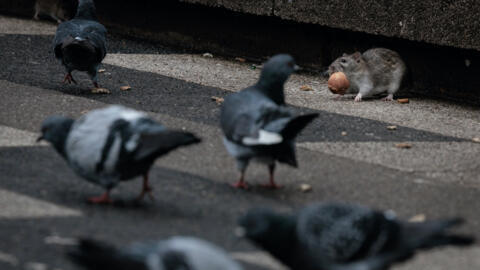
146, 190
240, 185
69, 79
103, 199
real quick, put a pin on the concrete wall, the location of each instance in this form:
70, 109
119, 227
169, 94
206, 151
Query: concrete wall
441, 22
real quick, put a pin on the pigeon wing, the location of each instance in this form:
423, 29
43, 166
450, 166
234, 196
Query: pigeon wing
158, 142
342, 233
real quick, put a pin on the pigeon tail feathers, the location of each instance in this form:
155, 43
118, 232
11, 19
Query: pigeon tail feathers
296, 125
94, 255
155, 143
430, 234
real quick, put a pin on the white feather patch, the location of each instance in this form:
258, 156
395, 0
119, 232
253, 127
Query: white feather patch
264, 138
132, 143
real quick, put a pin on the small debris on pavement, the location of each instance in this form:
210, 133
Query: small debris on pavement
306, 88
418, 218
476, 140
8, 258
208, 55
305, 188
392, 127
62, 241
100, 91
240, 59
403, 100
101, 70
125, 88
35, 266
253, 67
218, 100
403, 145
344, 133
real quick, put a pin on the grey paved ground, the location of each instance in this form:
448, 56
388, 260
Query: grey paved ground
43, 202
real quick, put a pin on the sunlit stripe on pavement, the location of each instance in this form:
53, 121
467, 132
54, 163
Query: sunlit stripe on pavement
14, 206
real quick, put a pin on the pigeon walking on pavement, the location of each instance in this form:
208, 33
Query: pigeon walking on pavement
80, 44
112, 144
257, 124
336, 236
179, 252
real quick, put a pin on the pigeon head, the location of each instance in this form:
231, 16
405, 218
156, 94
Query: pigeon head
55, 130
86, 10
267, 229
274, 74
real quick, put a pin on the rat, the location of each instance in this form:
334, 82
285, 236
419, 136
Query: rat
54, 8
375, 71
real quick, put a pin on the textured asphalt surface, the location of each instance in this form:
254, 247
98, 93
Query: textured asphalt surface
191, 186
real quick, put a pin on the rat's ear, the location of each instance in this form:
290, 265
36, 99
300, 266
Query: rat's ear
344, 54
357, 55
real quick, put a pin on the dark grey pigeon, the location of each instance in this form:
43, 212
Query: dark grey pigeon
175, 253
80, 43
113, 144
257, 124
335, 236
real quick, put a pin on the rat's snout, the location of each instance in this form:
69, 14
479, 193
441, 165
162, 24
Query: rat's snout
326, 74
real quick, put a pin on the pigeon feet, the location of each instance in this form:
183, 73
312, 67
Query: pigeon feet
241, 185
69, 79
146, 190
103, 199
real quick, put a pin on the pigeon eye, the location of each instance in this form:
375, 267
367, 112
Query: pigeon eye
291, 64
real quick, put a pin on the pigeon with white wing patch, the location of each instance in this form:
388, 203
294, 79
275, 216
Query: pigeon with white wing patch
113, 144
257, 124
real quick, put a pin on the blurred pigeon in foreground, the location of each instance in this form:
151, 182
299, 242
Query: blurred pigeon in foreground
335, 236
176, 253
257, 124
113, 144
80, 43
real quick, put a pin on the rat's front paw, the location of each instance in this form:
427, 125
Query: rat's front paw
388, 98
358, 98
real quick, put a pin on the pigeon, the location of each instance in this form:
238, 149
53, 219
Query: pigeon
112, 144
258, 125
174, 253
80, 43
339, 236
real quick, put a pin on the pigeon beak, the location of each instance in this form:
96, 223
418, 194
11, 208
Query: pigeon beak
240, 232
40, 138
296, 68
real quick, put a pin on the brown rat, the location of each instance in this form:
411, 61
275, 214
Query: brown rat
56, 9
375, 71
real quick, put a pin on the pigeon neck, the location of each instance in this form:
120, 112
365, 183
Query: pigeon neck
61, 137
273, 90
86, 10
